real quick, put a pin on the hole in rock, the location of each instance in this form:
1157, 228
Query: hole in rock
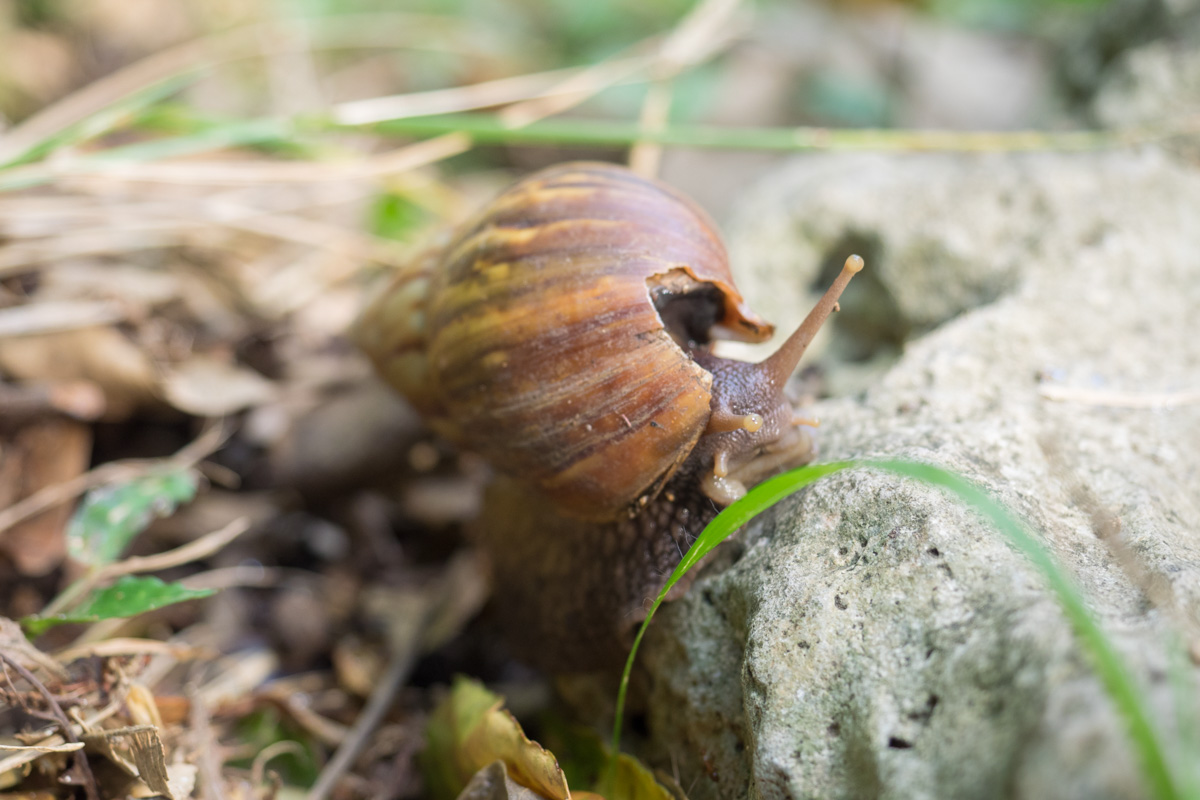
870, 323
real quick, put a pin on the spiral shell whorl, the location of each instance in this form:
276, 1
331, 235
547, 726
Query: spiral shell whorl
537, 344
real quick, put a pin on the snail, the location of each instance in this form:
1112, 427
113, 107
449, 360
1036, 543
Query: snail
565, 334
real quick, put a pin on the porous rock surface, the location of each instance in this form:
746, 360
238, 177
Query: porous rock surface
876, 638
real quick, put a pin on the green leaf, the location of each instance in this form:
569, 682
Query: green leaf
128, 597
756, 501
133, 595
397, 216
109, 517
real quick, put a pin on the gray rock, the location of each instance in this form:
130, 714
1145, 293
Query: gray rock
876, 638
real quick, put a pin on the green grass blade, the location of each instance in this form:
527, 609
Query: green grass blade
1116, 677
756, 501
218, 137
101, 122
492, 129
1118, 681
1187, 718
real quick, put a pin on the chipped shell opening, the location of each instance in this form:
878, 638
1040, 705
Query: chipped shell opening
694, 311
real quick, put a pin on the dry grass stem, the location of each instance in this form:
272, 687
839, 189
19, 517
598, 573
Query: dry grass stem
70, 747
259, 767
206, 746
645, 157
129, 237
55, 316
575, 90
706, 30
327, 731
192, 551
1120, 399
51, 496
256, 172
485, 94
255, 577
134, 647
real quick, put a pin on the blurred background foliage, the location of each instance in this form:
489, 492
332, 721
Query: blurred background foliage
48, 47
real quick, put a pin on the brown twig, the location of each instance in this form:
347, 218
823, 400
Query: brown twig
206, 744
81, 760
485, 94
381, 699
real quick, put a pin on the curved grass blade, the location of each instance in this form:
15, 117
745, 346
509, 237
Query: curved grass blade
756, 501
1115, 675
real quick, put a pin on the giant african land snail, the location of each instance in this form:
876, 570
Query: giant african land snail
565, 335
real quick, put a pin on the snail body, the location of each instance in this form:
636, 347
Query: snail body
565, 334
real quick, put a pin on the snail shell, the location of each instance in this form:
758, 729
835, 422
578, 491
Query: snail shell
552, 334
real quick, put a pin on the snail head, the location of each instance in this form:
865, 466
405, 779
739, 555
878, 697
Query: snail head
754, 430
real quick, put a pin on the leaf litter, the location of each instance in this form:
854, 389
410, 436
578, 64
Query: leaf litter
231, 565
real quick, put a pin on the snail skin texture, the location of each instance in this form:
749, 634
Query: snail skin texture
565, 334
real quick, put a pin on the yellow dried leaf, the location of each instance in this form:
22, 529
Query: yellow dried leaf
469, 730
139, 702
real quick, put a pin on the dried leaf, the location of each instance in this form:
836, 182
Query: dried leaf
181, 779
142, 708
151, 762
469, 730
584, 757
208, 387
102, 355
492, 783
15, 776
138, 750
41, 454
